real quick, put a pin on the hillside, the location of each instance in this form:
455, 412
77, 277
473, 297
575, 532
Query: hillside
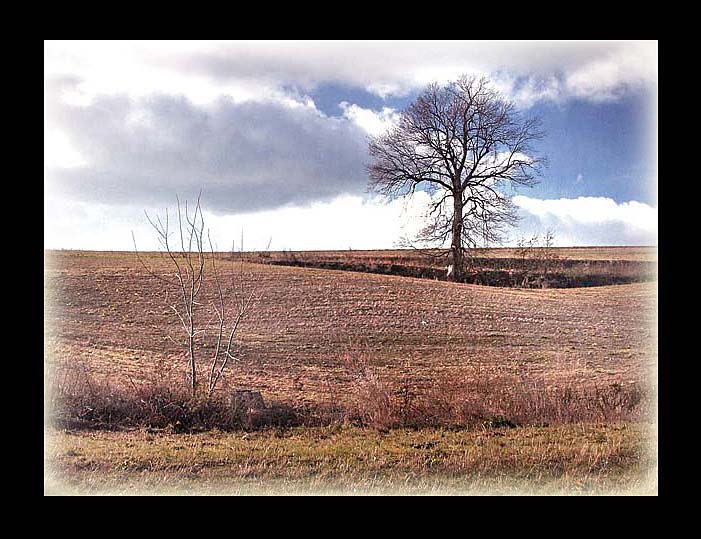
104, 310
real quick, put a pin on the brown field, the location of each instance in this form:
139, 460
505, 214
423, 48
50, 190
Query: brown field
106, 311
107, 316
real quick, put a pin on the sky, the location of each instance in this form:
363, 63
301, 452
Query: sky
274, 136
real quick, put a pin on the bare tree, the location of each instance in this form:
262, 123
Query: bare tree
538, 255
465, 145
525, 249
549, 256
183, 284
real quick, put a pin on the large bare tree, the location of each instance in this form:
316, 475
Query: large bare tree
466, 146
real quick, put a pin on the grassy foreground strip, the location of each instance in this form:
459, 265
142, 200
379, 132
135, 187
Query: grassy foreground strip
576, 459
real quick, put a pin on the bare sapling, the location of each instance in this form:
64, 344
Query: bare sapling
538, 254
549, 254
525, 249
188, 281
242, 301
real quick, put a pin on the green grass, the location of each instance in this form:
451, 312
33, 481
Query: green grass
573, 459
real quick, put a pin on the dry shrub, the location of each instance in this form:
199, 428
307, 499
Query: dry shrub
450, 399
374, 404
491, 400
377, 402
371, 403
79, 400
485, 401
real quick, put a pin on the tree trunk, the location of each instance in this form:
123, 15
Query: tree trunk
456, 244
191, 350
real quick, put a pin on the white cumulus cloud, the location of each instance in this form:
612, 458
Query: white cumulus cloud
372, 122
347, 221
590, 220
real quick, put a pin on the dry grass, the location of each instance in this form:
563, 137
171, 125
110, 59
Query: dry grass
78, 400
485, 402
575, 459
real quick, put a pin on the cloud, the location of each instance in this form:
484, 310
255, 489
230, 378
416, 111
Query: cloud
130, 124
589, 220
346, 221
528, 71
139, 69
374, 123
245, 156
608, 77
526, 90
59, 152
602, 76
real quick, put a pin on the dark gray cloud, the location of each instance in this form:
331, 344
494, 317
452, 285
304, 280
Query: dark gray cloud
244, 157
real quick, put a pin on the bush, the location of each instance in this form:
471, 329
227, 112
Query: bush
488, 401
450, 400
77, 400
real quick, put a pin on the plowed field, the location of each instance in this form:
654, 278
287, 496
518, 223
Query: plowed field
104, 312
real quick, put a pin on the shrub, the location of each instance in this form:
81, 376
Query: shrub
450, 400
486, 401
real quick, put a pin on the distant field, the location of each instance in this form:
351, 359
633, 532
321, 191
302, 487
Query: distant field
636, 254
570, 267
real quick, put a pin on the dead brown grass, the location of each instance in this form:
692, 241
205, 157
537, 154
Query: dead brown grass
486, 402
570, 459
78, 400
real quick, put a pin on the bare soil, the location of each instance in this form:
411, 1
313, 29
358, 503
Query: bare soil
104, 313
